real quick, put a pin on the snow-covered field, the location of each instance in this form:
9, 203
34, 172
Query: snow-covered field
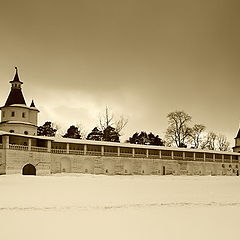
119, 207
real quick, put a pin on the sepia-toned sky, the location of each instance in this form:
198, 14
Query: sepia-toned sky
142, 58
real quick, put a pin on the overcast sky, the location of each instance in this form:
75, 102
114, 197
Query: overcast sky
142, 58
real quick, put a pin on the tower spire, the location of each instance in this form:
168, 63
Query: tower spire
16, 77
16, 95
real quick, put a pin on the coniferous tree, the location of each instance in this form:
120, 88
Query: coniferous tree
110, 134
46, 129
151, 138
95, 135
144, 138
134, 138
73, 132
156, 140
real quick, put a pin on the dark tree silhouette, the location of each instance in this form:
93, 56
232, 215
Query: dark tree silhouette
73, 132
110, 134
156, 140
46, 129
144, 138
141, 138
95, 135
134, 138
182, 145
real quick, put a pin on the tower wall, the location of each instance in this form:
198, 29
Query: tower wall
19, 119
237, 142
236, 149
26, 129
21, 114
33, 116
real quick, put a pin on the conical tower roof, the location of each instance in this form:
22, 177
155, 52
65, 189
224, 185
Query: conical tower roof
238, 135
32, 104
15, 96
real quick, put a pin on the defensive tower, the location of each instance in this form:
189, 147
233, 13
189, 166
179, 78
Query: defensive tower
16, 116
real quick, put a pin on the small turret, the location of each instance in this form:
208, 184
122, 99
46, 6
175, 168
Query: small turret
32, 104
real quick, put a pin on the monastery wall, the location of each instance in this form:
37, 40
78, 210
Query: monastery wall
137, 166
111, 165
50, 163
17, 159
49, 157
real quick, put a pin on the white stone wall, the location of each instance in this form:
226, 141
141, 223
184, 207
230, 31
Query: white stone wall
33, 117
47, 163
16, 160
138, 166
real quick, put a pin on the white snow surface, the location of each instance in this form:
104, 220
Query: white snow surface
80, 206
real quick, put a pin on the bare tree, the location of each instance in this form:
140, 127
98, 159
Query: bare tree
222, 143
107, 119
82, 130
195, 135
215, 142
210, 141
178, 130
58, 127
120, 124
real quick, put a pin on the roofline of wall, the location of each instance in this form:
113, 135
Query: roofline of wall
115, 144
